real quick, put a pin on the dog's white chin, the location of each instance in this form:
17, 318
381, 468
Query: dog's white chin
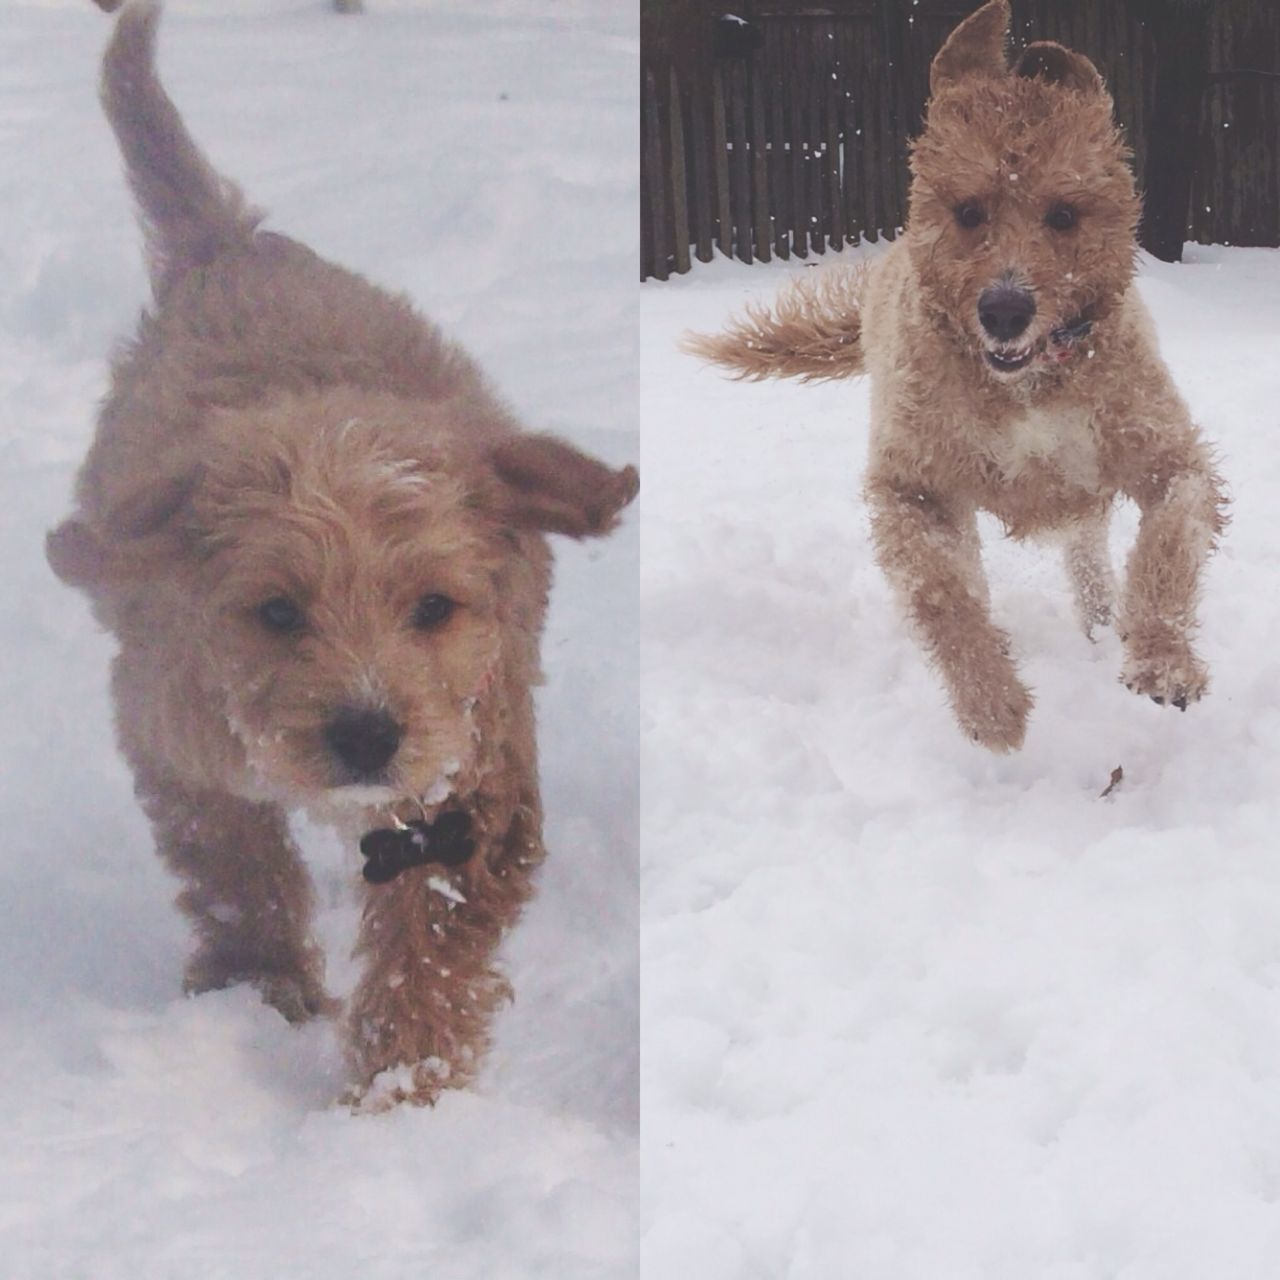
359, 797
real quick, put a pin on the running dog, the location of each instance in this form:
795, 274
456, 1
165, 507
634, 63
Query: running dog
319, 540
1014, 370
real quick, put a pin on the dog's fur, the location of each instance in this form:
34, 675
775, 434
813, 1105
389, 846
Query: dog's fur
281, 429
1076, 418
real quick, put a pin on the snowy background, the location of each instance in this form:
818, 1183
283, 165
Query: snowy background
912, 1011
480, 156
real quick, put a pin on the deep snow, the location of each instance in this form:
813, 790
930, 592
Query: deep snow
479, 156
912, 1011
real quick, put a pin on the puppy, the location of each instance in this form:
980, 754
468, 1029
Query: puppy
1013, 370
319, 540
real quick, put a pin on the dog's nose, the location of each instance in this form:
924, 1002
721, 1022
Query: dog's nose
1005, 311
363, 740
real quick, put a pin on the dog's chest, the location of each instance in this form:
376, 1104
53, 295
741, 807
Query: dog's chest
1061, 441
1042, 468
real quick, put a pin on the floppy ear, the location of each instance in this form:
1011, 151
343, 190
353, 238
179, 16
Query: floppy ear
131, 542
974, 48
1059, 66
551, 486
77, 555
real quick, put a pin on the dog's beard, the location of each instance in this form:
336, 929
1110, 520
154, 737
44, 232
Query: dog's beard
360, 796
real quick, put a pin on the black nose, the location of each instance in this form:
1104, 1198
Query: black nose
363, 740
1005, 311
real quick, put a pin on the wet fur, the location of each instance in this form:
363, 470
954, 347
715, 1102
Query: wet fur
1047, 449
280, 427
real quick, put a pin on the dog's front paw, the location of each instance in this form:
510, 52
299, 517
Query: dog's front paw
993, 707
419, 1084
297, 997
1175, 678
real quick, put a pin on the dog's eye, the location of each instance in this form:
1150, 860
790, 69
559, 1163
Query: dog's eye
280, 614
970, 214
432, 611
1062, 217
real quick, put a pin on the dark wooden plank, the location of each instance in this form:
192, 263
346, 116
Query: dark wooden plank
835, 188
757, 86
735, 76
813, 144
698, 154
872, 173
720, 163
654, 205
779, 183
797, 146
850, 143
679, 177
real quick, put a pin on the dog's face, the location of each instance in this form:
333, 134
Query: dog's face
365, 585
1023, 208
351, 603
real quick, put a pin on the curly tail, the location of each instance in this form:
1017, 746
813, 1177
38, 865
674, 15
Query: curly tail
813, 332
189, 213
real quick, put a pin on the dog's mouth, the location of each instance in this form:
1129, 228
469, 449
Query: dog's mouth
1055, 347
1009, 359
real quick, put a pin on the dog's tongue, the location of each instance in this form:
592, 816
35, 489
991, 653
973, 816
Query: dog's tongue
390, 850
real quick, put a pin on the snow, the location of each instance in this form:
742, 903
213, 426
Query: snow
479, 156
912, 1011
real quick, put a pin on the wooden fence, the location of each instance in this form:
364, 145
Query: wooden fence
782, 129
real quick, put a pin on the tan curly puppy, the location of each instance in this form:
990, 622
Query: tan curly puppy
319, 540
1013, 370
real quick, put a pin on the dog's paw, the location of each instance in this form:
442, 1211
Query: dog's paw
297, 1000
296, 997
419, 1084
993, 710
1175, 679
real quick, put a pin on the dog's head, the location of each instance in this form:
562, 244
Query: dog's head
1023, 209
366, 586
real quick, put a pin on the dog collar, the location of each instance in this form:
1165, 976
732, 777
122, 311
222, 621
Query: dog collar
390, 850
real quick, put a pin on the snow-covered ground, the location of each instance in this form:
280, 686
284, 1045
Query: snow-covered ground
912, 1011
480, 156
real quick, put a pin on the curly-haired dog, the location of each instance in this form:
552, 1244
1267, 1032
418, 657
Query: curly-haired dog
319, 540
1013, 370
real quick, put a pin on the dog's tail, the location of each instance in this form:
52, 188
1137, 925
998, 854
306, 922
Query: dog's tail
812, 332
189, 213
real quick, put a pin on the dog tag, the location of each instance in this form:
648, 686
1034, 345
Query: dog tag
390, 850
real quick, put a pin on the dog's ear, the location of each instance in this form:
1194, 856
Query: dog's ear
974, 48
549, 485
136, 535
1061, 66
77, 555
85, 559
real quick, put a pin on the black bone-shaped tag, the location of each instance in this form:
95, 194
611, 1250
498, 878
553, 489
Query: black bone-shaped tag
390, 850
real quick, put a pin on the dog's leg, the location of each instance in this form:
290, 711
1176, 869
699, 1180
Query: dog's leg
245, 890
931, 556
1181, 517
423, 1006
1093, 583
